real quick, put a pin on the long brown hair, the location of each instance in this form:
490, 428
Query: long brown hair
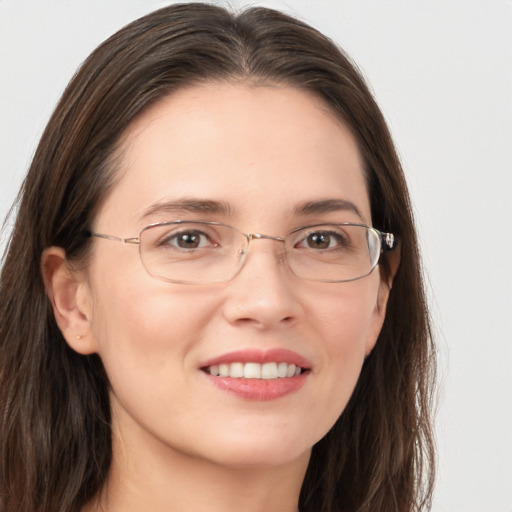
55, 438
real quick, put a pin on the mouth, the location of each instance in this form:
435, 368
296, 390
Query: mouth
253, 370
258, 375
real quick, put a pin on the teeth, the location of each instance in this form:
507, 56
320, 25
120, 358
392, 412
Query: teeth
255, 370
223, 370
252, 370
269, 371
282, 369
290, 372
236, 370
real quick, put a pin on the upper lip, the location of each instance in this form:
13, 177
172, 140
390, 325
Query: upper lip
278, 355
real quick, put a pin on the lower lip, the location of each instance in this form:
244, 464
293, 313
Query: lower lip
259, 389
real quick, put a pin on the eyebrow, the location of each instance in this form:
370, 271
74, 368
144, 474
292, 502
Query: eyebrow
209, 206
326, 206
206, 206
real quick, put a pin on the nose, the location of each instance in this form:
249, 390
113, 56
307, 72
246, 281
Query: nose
264, 294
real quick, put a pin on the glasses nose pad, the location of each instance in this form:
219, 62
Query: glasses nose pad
281, 255
244, 250
241, 253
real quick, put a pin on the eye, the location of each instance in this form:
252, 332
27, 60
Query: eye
190, 239
322, 240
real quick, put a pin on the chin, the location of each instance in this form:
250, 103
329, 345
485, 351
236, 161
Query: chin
258, 447
259, 457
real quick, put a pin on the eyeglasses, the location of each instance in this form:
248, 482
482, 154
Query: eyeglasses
203, 252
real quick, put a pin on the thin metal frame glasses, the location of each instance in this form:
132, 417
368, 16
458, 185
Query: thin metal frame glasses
207, 252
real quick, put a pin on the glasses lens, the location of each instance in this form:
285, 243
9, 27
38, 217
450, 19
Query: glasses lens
333, 253
209, 252
192, 252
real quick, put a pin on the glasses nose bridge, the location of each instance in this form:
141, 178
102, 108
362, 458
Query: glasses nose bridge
260, 236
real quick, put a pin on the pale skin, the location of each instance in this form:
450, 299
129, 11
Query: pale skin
179, 443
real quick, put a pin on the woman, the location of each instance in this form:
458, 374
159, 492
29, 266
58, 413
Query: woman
212, 297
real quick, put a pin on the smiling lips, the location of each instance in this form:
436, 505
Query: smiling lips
255, 370
256, 375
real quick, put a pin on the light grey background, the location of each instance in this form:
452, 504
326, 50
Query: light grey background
442, 73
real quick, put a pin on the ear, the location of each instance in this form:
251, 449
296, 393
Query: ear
387, 276
70, 296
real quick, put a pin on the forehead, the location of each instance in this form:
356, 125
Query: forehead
257, 149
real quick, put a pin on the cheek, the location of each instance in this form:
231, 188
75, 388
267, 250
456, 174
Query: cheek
147, 341
347, 315
145, 329
346, 324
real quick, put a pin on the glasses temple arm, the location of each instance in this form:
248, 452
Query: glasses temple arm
133, 240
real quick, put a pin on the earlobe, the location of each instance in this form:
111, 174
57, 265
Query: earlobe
67, 291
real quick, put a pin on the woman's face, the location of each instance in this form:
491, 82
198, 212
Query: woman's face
250, 157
